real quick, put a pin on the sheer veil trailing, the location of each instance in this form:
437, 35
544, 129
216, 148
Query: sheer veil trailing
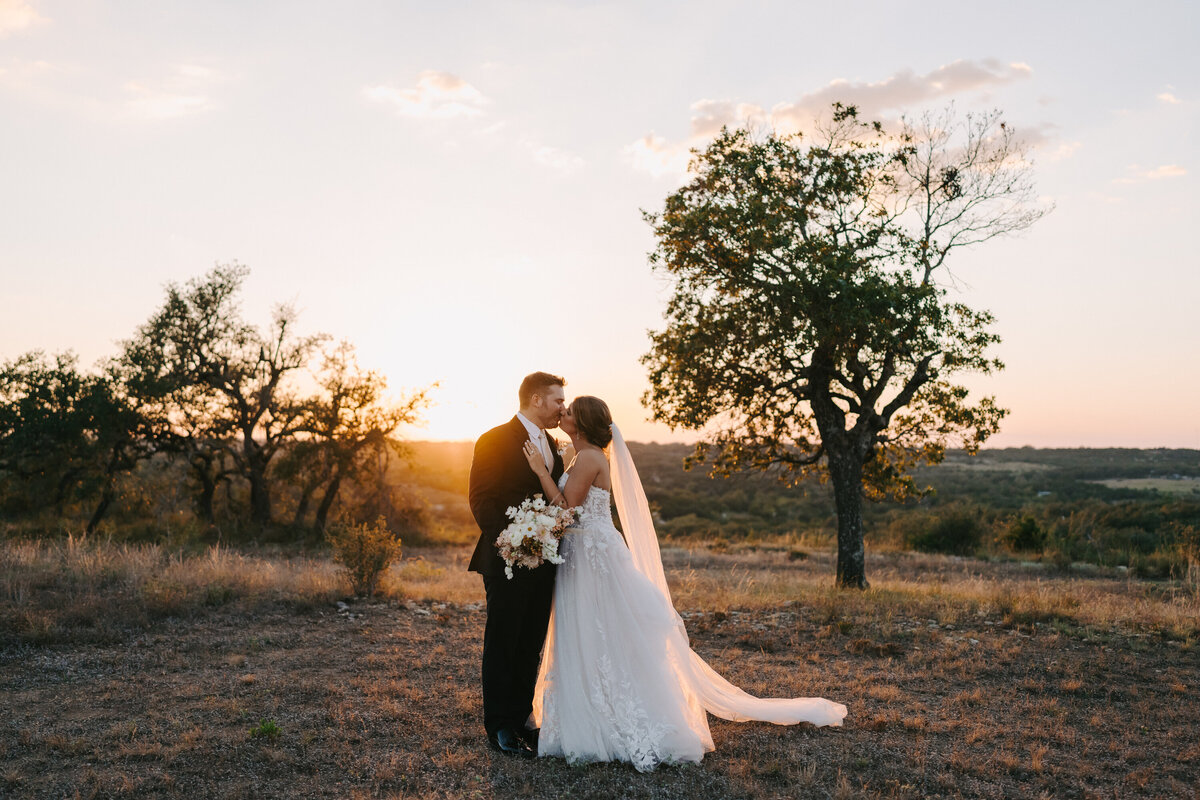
717, 695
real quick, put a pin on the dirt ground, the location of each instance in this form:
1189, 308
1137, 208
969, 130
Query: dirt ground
382, 700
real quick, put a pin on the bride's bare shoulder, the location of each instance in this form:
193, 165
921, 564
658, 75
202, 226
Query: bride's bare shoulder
597, 466
591, 458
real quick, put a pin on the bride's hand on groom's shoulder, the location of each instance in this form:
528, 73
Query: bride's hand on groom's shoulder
534, 456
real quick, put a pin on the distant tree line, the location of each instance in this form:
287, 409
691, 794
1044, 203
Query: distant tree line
241, 414
1016, 503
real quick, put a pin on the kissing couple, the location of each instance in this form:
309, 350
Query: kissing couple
589, 661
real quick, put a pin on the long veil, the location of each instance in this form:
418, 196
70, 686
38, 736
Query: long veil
717, 695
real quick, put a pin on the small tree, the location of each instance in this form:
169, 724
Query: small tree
350, 424
44, 445
65, 433
806, 332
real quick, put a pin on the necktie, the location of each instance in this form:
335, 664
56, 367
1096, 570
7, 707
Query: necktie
545, 448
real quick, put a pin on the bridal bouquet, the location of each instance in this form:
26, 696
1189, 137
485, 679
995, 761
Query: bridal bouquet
532, 538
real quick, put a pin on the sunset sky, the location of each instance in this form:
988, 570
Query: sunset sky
456, 187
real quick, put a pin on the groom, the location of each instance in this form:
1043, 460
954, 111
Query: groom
518, 610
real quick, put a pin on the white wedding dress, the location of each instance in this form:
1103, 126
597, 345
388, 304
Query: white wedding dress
618, 680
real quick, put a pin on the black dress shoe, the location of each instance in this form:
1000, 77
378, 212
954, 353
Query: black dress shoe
507, 740
530, 735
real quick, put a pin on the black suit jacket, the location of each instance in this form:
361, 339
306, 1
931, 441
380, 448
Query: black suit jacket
501, 477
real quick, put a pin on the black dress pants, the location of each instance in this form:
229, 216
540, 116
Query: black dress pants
518, 613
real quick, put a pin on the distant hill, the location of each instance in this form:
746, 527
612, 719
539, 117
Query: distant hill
1005, 478
1112, 506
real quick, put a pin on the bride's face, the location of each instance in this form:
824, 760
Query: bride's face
567, 423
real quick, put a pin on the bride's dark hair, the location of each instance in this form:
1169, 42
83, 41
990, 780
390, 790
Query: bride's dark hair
593, 419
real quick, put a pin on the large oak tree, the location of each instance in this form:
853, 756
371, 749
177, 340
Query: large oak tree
810, 330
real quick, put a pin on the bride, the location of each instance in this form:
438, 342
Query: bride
618, 680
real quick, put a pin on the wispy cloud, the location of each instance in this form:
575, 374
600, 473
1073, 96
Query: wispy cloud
657, 156
23, 69
1063, 151
904, 91
1165, 171
437, 95
1137, 174
184, 92
553, 158
1168, 98
18, 15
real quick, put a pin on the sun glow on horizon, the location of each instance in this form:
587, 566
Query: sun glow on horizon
463, 202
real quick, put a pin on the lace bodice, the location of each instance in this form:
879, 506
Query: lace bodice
589, 539
596, 506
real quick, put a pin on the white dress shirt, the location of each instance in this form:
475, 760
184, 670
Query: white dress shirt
538, 437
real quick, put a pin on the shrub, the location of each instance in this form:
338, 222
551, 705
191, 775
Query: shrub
1060, 548
688, 525
1186, 549
1024, 534
266, 729
957, 532
365, 551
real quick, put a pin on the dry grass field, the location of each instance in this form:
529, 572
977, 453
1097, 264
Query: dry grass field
1172, 486
135, 672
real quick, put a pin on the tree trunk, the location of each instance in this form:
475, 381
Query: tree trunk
846, 473
302, 506
208, 489
108, 493
63, 489
260, 496
845, 455
106, 498
327, 501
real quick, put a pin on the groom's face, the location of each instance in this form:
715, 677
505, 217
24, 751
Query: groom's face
550, 406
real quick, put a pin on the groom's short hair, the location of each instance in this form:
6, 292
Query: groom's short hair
537, 383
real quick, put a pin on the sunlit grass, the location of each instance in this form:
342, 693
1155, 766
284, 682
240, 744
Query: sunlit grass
96, 590
945, 589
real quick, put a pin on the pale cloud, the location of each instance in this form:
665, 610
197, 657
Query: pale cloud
1168, 98
708, 116
1063, 151
1139, 174
18, 15
553, 158
25, 69
156, 104
437, 95
657, 156
196, 71
1165, 171
903, 91
183, 93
